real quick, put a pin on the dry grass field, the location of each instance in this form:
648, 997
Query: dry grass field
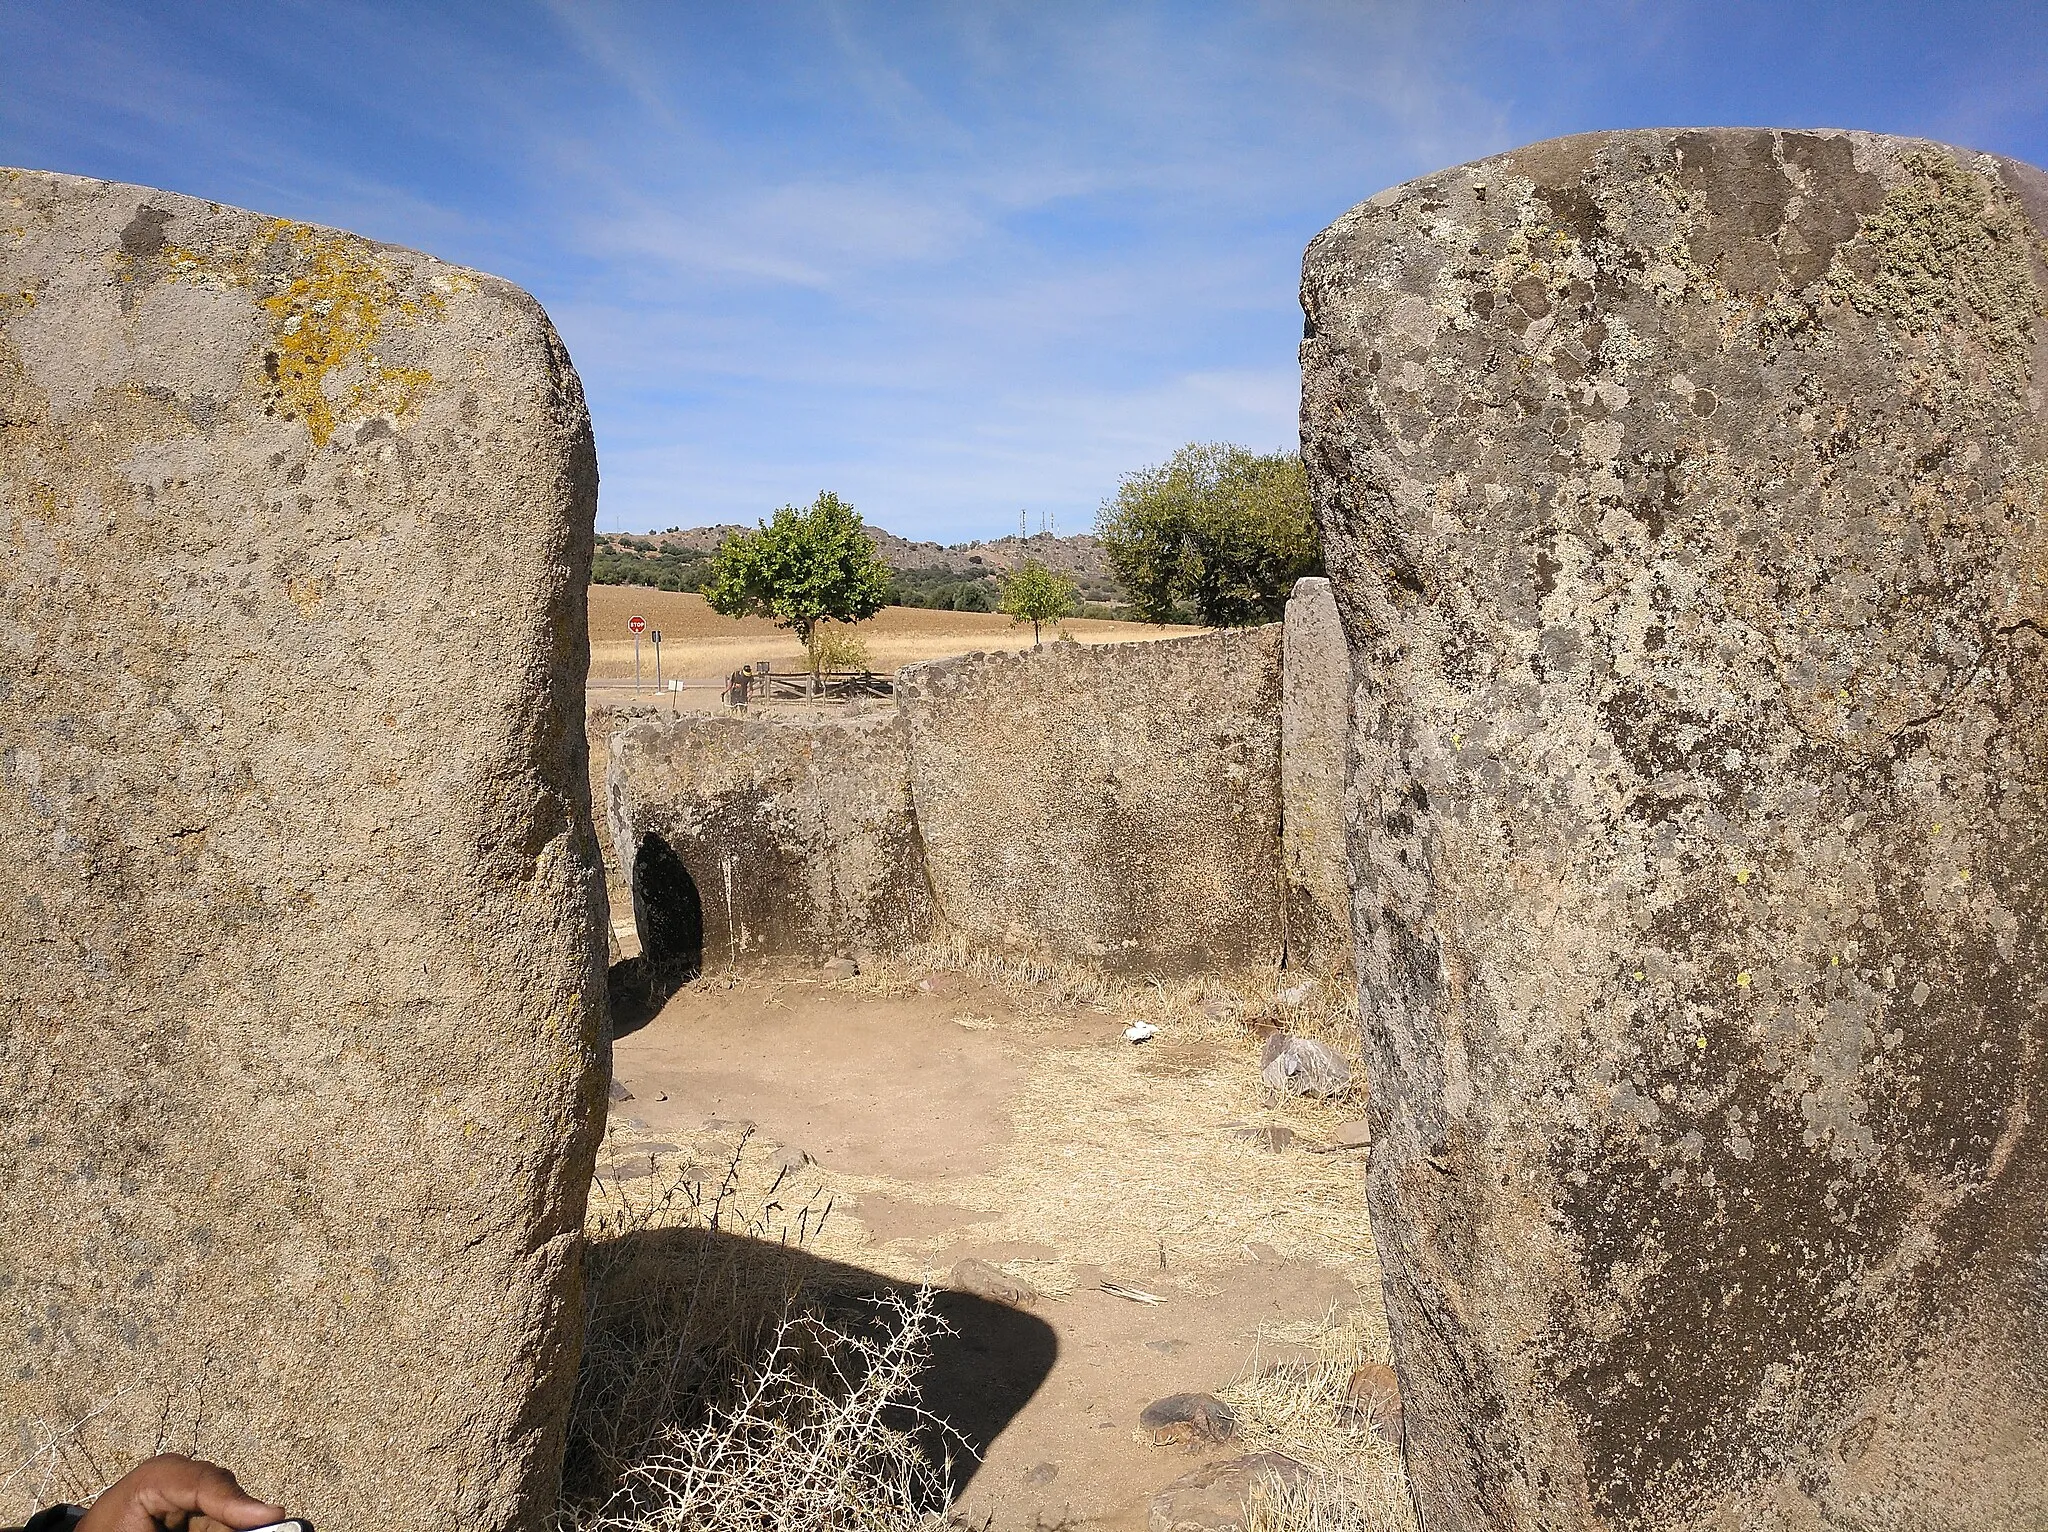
697, 643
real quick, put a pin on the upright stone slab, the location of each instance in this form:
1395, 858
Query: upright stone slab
1115, 806
750, 837
1684, 494
303, 1053
1315, 722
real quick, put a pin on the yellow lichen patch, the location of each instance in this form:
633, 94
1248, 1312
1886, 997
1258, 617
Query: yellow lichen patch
327, 313
391, 392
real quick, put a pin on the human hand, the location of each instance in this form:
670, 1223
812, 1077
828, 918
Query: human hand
173, 1494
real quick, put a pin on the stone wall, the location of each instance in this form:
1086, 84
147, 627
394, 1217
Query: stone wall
1315, 723
797, 838
1114, 805
303, 1054
1683, 492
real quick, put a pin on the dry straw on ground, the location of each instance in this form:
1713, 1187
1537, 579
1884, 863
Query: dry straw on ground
1300, 1408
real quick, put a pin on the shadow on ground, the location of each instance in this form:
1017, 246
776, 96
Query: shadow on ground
681, 1319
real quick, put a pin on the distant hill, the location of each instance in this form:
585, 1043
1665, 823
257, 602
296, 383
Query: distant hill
955, 575
1079, 556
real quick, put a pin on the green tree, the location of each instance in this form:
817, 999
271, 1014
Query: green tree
1036, 595
803, 568
1216, 533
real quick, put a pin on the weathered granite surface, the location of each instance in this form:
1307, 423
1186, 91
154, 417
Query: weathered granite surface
797, 837
1116, 805
302, 1060
1315, 723
1683, 492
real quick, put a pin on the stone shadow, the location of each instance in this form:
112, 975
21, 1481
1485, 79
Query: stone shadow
680, 1317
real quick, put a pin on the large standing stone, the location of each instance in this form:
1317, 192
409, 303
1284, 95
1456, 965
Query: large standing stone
301, 1065
1116, 806
1684, 493
1315, 722
745, 837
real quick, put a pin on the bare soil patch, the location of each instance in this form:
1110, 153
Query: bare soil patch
907, 1130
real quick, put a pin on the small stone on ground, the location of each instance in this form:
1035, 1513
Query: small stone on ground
986, 1281
1301, 1066
1188, 1418
1213, 1497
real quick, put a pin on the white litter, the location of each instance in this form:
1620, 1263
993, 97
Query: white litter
1138, 1031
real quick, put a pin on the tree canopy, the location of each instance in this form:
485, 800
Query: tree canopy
1216, 534
802, 568
1034, 594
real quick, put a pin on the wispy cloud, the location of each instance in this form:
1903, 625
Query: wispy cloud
950, 260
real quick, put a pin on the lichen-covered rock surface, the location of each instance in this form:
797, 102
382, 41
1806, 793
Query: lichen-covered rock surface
1683, 496
1115, 805
302, 1049
797, 838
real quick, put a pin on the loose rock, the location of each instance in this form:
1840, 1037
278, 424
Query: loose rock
1301, 1066
1216, 1496
985, 1281
1188, 1418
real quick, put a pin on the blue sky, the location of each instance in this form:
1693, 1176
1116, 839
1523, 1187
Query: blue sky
953, 260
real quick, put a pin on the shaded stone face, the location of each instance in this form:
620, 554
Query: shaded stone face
1682, 492
300, 922
1114, 805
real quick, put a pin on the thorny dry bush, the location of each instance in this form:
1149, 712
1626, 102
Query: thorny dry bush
719, 1392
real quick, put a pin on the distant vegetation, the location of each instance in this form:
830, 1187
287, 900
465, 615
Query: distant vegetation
624, 560
1038, 595
806, 569
1216, 535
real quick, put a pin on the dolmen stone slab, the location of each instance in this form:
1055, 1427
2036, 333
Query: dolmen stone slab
1315, 723
753, 837
303, 1058
1682, 492
1115, 806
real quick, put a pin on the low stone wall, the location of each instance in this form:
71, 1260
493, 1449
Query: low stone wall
1115, 805
795, 838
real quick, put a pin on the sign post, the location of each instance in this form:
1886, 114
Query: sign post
637, 625
656, 636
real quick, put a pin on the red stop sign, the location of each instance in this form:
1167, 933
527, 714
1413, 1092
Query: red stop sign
637, 623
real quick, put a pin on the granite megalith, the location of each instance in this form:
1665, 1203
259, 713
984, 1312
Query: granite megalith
1315, 725
303, 1057
1682, 492
1112, 805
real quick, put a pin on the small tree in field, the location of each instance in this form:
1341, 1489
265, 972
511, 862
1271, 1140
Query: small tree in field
1215, 534
1037, 595
804, 568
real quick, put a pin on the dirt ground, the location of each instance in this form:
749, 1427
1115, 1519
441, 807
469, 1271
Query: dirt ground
699, 644
934, 1115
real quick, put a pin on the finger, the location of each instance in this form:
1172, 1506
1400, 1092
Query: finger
219, 1496
175, 1487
